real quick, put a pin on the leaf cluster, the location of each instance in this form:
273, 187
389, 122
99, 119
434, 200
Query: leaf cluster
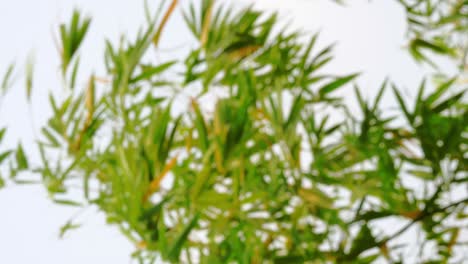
277, 169
438, 26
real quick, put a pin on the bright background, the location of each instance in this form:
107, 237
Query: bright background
370, 37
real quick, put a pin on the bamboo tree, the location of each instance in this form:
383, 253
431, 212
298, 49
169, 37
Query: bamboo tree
269, 174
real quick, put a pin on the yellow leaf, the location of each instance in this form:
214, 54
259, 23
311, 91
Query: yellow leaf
453, 239
164, 20
154, 185
206, 25
411, 214
384, 250
141, 245
90, 96
243, 52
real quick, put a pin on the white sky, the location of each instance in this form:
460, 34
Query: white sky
370, 36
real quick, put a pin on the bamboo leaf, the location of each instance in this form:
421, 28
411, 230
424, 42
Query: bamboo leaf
6, 83
4, 155
29, 77
363, 241
402, 104
68, 227
446, 104
441, 90
74, 73
72, 37
52, 140
150, 71
67, 202
21, 160
200, 126
339, 82
379, 95
176, 247
2, 134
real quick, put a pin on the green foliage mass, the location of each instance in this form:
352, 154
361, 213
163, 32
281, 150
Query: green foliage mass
439, 26
279, 168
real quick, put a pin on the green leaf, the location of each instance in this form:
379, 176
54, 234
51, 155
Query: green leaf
200, 126
175, 249
52, 140
149, 71
372, 215
439, 48
402, 104
425, 175
359, 98
74, 73
445, 105
72, 37
2, 134
363, 241
441, 90
289, 259
339, 82
379, 95
6, 83
4, 155
419, 98
67, 202
155, 210
29, 77
67, 227
295, 113
21, 160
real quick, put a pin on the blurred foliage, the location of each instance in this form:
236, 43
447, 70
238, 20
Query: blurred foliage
71, 37
3, 155
15, 159
277, 169
4, 88
438, 26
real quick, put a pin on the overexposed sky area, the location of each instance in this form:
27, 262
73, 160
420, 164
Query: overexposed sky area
370, 37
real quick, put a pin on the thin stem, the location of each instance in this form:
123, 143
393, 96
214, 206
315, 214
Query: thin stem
427, 212
423, 215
